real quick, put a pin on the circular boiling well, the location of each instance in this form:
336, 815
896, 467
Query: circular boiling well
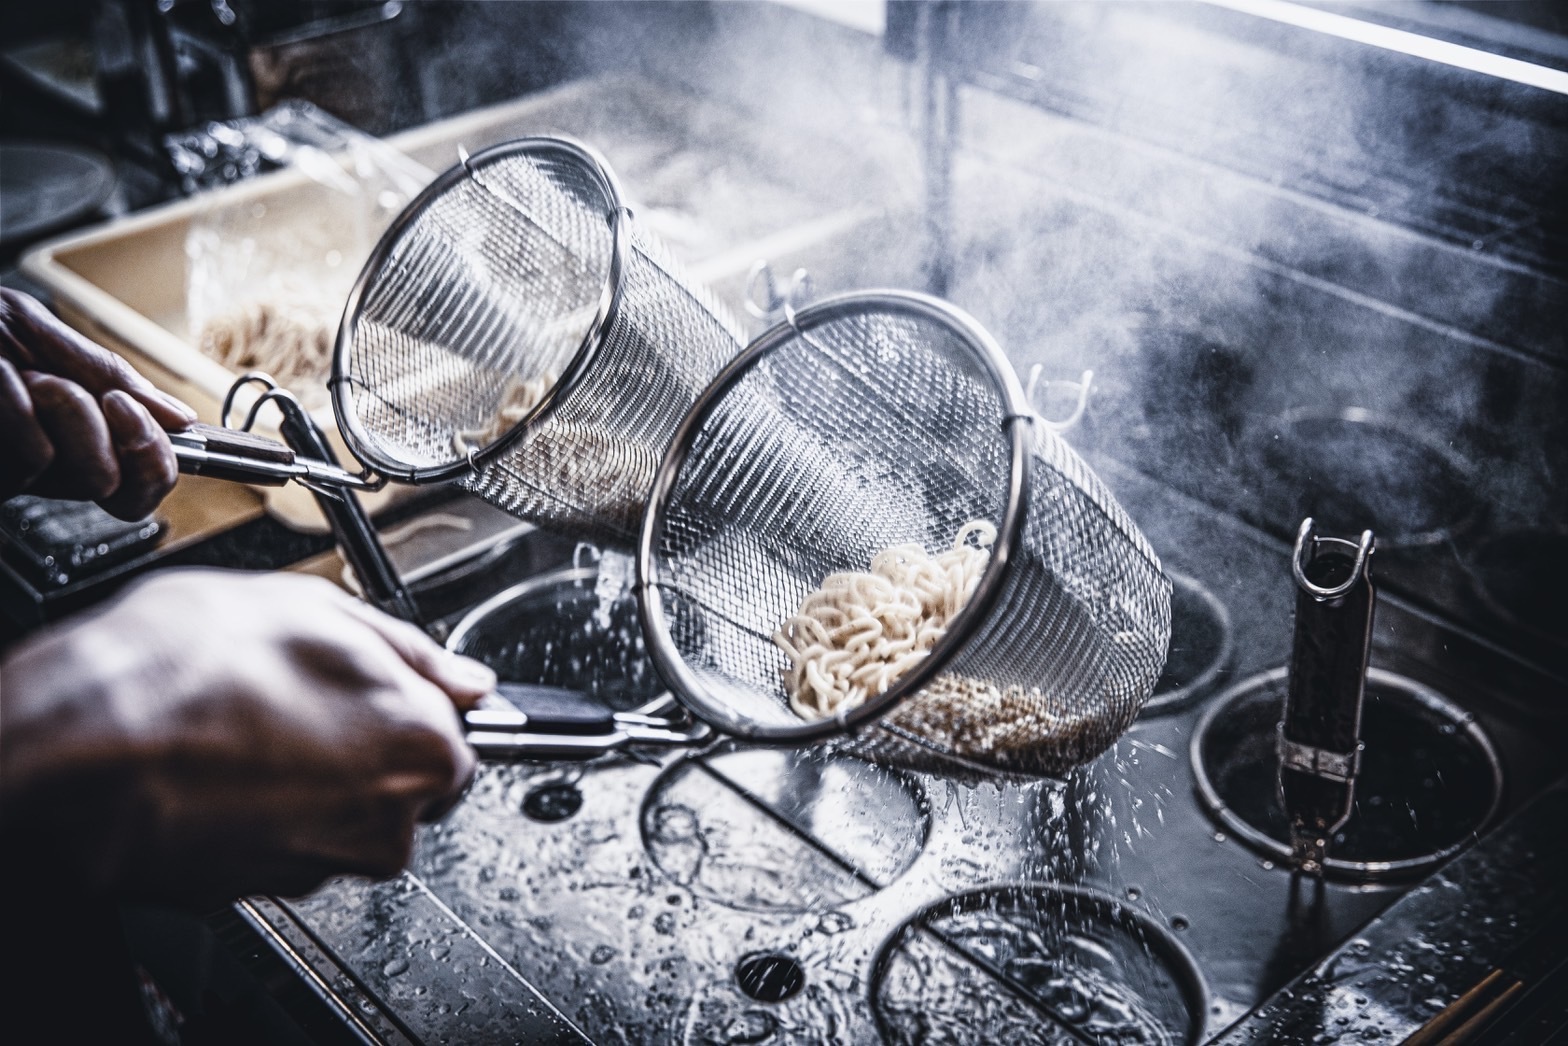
783, 830
1200, 648
556, 630
1352, 471
1429, 780
1038, 964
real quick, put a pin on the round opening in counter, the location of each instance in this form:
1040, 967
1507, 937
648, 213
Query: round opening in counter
1352, 470
1200, 649
552, 801
1430, 780
1038, 963
783, 830
769, 976
558, 630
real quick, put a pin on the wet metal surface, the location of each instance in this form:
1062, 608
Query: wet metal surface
631, 894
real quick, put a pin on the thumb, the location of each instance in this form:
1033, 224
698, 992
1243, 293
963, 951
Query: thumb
463, 679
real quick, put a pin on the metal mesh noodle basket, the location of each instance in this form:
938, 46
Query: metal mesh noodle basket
862, 423
517, 331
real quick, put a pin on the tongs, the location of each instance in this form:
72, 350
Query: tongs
519, 720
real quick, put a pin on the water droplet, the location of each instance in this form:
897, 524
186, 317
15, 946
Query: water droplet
835, 922
555, 801
751, 1026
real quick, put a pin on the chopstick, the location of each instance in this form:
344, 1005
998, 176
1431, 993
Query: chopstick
1458, 1021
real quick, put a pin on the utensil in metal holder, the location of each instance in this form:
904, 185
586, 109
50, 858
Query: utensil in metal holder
1320, 731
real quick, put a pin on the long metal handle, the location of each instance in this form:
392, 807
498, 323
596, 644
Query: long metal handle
1320, 733
541, 722
208, 450
357, 539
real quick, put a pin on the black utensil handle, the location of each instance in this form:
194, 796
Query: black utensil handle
358, 541
554, 710
1320, 731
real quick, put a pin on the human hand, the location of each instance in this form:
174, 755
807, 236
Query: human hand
213, 734
77, 421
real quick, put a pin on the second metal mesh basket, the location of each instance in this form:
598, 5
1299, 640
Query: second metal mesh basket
874, 422
517, 331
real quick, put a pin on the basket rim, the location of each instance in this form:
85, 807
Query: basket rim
1017, 424
611, 297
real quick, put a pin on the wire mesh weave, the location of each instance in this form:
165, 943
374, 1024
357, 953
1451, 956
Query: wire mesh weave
872, 421
516, 330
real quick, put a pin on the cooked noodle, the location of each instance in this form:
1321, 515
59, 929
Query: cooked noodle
291, 341
519, 398
859, 632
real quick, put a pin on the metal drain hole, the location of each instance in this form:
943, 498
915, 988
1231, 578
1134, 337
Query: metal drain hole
555, 801
769, 977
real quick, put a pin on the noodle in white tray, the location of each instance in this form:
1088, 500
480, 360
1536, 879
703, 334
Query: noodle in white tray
287, 339
857, 634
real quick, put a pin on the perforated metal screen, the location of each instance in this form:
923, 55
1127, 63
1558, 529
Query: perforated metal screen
518, 320
880, 420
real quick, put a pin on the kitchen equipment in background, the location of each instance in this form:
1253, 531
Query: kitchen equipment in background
167, 67
865, 422
57, 542
1429, 780
45, 186
1045, 963
1320, 730
517, 331
1352, 467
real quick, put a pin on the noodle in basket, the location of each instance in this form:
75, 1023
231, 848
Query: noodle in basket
856, 635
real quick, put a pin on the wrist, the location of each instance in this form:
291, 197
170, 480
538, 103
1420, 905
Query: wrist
65, 754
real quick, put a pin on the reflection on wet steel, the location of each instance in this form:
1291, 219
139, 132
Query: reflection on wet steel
984, 965
413, 953
832, 829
